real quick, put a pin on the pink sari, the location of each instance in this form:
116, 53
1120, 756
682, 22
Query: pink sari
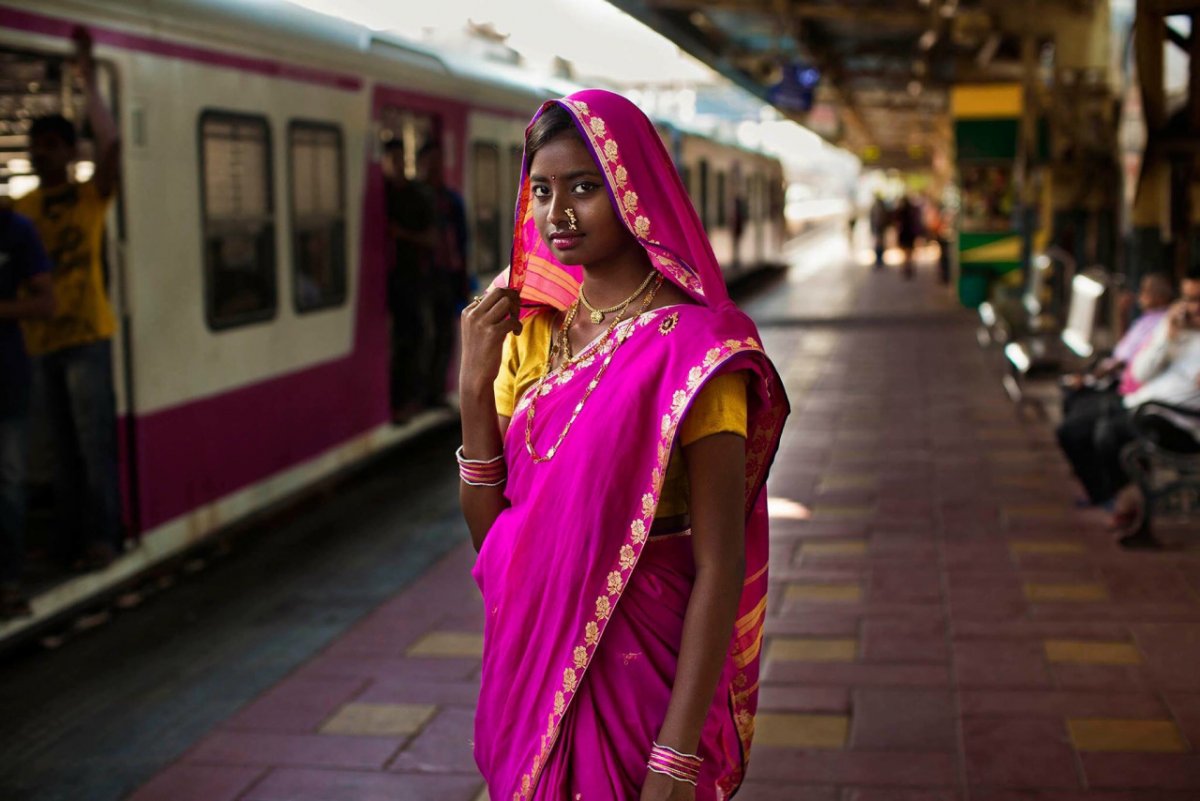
584, 611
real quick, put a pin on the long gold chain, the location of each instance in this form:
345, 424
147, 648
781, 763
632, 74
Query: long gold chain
597, 315
554, 351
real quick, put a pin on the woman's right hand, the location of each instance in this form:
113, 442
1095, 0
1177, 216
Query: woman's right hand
485, 323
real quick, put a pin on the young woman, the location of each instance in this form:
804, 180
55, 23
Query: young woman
619, 417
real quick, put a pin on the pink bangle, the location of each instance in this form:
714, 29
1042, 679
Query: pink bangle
481, 473
674, 764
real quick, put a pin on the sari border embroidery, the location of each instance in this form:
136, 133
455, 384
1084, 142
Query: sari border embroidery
748, 641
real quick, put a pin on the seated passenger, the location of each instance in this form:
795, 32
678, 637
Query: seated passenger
1113, 376
1168, 370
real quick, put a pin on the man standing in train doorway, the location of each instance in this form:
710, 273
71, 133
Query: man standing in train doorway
73, 349
410, 217
448, 281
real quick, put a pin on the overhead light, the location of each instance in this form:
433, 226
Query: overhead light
928, 39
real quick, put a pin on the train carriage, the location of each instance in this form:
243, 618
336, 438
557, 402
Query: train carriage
248, 246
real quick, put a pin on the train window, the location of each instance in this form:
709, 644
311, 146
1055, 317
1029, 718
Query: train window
702, 205
485, 197
722, 199
318, 216
239, 218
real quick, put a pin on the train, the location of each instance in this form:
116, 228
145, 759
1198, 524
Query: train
248, 251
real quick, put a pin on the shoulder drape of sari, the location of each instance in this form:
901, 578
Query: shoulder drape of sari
556, 563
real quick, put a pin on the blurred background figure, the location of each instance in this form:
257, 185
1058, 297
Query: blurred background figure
25, 294
908, 229
73, 349
449, 284
880, 218
411, 226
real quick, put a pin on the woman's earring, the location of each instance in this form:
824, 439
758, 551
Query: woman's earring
571, 218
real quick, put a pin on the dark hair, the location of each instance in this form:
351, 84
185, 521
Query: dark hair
392, 145
1193, 274
1160, 281
553, 122
54, 125
429, 146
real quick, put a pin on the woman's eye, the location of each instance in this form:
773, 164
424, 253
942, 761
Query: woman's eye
583, 187
540, 191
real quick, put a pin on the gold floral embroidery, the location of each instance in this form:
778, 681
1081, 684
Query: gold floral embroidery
581, 106
639, 529
622, 175
614, 586
631, 202
580, 656
711, 357
603, 607
597, 126
668, 325
628, 556
678, 400
560, 703
641, 227
610, 150
648, 504
570, 680
591, 633
693, 377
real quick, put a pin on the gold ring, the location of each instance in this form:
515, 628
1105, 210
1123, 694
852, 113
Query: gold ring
476, 299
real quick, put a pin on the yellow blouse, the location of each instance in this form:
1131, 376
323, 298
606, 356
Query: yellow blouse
719, 408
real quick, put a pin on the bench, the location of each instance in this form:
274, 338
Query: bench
1169, 480
1047, 353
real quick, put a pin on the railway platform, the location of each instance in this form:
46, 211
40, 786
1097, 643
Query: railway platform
944, 624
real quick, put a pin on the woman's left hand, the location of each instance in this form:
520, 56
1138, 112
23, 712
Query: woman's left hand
663, 788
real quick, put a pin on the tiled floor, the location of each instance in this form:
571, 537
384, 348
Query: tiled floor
944, 625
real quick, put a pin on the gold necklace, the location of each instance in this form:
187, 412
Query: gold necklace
597, 315
537, 390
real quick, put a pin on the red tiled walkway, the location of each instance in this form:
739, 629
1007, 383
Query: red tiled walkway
944, 625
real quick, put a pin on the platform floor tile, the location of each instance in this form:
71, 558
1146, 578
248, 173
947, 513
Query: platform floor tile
824, 593
448, 644
379, 720
790, 730
1159, 736
1095, 653
1077, 592
811, 649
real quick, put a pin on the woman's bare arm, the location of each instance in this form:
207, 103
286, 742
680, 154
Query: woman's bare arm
716, 467
484, 326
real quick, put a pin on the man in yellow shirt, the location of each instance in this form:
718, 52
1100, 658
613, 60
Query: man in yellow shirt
73, 349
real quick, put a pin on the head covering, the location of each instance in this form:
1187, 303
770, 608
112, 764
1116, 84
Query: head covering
647, 195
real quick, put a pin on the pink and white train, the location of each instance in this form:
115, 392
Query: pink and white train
248, 248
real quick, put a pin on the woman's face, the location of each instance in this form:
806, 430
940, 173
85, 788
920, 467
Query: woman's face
563, 176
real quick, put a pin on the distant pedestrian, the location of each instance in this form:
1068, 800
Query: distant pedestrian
879, 228
908, 229
25, 294
73, 349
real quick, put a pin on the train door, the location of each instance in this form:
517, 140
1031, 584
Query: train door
35, 83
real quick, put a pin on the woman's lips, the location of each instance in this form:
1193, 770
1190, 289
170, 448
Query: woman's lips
565, 242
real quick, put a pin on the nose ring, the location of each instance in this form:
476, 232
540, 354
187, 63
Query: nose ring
570, 218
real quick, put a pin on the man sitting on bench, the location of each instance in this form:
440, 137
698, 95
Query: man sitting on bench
1168, 370
1086, 393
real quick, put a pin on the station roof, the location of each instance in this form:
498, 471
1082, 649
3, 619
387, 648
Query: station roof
885, 67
